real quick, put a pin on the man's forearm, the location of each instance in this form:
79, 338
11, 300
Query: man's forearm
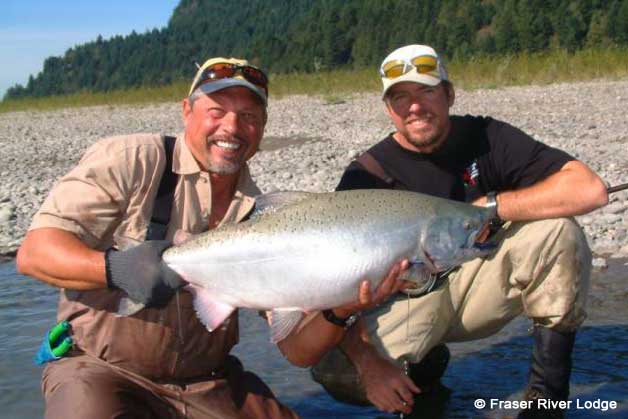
574, 190
59, 258
357, 347
307, 344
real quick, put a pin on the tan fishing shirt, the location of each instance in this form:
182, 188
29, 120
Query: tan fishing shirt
107, 200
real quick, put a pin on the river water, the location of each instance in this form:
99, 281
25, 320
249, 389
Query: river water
494, 368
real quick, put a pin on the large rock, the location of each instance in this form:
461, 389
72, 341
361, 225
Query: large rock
7, 212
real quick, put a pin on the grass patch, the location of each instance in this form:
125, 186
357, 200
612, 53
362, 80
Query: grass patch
540, 68
331, 84
169, 93
476, 72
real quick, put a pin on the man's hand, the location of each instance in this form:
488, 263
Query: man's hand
367, 299
142, 274
387, 386
574, 190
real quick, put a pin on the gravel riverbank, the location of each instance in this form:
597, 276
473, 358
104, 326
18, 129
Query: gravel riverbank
309, 141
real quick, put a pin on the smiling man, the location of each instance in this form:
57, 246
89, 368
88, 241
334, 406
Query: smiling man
99, 237
541, 267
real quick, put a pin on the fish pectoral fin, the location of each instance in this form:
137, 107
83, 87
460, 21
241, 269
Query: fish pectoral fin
282, 322
210, 311
128, 307
271, 202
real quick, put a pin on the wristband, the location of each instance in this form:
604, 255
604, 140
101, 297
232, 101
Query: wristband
491, 204
110, 284
345, 323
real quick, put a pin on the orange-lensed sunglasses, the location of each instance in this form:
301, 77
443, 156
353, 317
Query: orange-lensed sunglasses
227, 70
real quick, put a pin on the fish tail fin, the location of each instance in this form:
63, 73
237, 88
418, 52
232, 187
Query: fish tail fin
282, 322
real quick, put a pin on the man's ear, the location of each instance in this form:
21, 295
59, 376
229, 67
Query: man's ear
386, 107
451, 94
186, 110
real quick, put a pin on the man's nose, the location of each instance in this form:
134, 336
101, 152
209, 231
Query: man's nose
416, 104
229, 122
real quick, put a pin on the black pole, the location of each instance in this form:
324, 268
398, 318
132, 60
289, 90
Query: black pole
617, 188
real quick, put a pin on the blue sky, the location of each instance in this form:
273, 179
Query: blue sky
32, 30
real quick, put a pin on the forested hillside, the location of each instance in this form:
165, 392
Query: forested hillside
314, 35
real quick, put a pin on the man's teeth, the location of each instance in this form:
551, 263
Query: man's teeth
230, 146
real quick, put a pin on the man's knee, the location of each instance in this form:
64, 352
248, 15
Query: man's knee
556, 294
539, 246
80, 390
77, 397
563, 237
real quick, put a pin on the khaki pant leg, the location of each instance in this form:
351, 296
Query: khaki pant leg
541, 268
403, 328
80, 387
241, 395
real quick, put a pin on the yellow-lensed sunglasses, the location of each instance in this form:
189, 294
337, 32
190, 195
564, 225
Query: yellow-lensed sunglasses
424, 64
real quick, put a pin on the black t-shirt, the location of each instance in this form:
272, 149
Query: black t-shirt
480, 155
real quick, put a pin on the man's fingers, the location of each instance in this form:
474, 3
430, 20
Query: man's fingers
406, 395
391, 404
403, 406
365, 293
410, 385
393, 399
390, 284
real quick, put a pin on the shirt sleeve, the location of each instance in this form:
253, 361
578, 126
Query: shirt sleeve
91, 200
518, 160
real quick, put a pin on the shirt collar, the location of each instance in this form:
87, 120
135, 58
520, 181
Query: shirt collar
183, 162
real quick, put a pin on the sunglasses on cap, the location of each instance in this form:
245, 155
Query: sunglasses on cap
220, 71
424, 64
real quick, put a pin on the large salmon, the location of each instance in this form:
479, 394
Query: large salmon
307, 251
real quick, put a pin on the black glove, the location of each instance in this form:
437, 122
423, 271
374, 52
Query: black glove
142, 274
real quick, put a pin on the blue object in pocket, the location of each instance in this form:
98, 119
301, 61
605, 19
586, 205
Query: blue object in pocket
55, 345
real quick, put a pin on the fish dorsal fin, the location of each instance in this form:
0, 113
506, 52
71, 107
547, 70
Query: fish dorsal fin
271, 202
282, 322
211, 312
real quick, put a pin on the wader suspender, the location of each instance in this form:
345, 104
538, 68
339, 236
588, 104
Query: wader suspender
162, 207
372, 166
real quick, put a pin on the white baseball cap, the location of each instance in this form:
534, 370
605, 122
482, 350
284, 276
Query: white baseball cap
413, 63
